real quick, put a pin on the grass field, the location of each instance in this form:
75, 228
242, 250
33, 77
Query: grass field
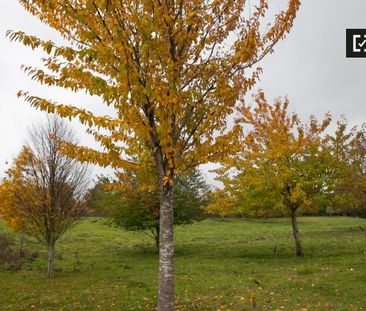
220, 265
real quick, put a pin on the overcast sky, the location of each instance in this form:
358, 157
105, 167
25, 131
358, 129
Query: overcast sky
310, 67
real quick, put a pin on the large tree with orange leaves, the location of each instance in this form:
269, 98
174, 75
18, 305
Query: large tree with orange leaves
173, 70
281, 169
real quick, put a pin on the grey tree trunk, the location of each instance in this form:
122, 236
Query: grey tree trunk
21, 243
296, 233
51, 256
166, 251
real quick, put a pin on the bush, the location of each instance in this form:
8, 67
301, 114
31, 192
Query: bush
10, 259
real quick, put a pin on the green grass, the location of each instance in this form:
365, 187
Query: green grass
220, 265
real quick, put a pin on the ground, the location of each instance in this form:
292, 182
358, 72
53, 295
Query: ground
227, 264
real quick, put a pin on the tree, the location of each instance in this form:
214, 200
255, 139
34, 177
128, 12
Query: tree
347, 182
136, 206
173, 70
281, 168
45, 190
7, 212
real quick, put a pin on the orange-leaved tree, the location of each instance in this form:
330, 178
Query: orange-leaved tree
8, 198
44, 192
173, 71
281, 169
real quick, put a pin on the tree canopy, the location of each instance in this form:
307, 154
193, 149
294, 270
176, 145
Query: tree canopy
347, 178
172, 70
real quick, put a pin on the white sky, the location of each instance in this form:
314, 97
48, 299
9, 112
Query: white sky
310, 67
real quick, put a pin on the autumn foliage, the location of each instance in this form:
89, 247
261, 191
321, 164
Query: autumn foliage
347, 170
44, 192
281, 167
172, 70
11, 200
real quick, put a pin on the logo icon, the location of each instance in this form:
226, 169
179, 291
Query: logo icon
356, 42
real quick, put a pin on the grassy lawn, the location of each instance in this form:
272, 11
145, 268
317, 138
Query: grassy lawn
220, 265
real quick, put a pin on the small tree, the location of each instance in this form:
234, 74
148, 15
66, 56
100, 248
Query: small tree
281, 168
133, 204
45, 190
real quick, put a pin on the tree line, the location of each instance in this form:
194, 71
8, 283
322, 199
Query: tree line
281, 166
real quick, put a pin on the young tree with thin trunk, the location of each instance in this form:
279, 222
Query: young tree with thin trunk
45, 190
281, 168
173, 71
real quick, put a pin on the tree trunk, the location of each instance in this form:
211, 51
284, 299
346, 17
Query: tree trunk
166, 245
21, 243
166, 251
51, 256
296, 233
